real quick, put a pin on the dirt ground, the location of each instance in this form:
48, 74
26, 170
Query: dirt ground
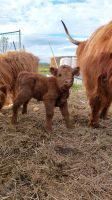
73, 164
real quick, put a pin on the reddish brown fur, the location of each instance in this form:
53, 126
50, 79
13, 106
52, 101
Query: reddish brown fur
95, 62
94, 57
79, 52
53, 91
11, 64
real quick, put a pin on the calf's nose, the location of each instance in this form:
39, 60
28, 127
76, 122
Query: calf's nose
68, 81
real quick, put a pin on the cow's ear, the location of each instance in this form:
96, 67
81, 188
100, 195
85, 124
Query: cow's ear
3, 89
54, 70
76, 71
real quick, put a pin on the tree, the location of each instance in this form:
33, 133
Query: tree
4, 44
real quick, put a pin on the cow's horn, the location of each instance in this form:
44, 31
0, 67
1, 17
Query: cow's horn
69, 36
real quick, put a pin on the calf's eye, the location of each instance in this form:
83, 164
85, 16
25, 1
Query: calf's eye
59, 75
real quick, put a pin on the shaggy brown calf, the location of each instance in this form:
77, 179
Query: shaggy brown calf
11, 64
53, 91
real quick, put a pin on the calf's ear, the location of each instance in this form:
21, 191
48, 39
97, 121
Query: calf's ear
76, 71
54, 70
102, 79
3, 89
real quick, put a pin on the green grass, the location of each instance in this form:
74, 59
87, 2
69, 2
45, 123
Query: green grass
44, 68
76, 86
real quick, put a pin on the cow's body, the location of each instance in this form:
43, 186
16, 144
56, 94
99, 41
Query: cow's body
11, 64
96, 67
94, 57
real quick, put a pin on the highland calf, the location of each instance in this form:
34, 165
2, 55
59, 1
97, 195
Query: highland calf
11, 64
53, 91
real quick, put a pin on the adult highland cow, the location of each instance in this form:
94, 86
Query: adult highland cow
11, 64
94, 57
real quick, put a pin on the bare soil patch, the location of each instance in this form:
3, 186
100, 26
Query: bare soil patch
73, 164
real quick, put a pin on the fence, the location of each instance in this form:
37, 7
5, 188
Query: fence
10, 41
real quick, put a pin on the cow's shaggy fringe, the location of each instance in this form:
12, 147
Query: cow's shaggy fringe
102, 38
12, 63
96, 56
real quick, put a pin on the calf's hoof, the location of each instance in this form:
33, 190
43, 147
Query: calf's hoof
93, 124
24, 112
47, 129
68, 126
104, 117
14, 121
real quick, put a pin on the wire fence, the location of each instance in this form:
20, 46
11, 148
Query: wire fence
10, 41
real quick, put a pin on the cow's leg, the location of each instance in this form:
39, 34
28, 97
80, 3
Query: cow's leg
65, 114
104, 109
24, 110
21, 98
49, 106
95, 104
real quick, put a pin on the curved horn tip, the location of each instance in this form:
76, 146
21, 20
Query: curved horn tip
69, 36
62, 22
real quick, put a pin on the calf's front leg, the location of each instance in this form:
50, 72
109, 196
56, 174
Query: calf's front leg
21, 98
24, 110
49, 106
65, 113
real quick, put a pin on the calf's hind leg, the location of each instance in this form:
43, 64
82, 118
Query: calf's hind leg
22, 98
24, 110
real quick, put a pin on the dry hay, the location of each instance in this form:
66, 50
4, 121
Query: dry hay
64, 165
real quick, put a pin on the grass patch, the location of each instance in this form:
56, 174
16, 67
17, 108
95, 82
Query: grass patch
44, 68
76, 87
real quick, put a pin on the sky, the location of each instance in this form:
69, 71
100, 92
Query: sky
40, 23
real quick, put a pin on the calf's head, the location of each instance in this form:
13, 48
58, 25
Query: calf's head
3, 95
64, 75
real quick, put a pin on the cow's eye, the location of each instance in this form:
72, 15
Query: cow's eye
59, 75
